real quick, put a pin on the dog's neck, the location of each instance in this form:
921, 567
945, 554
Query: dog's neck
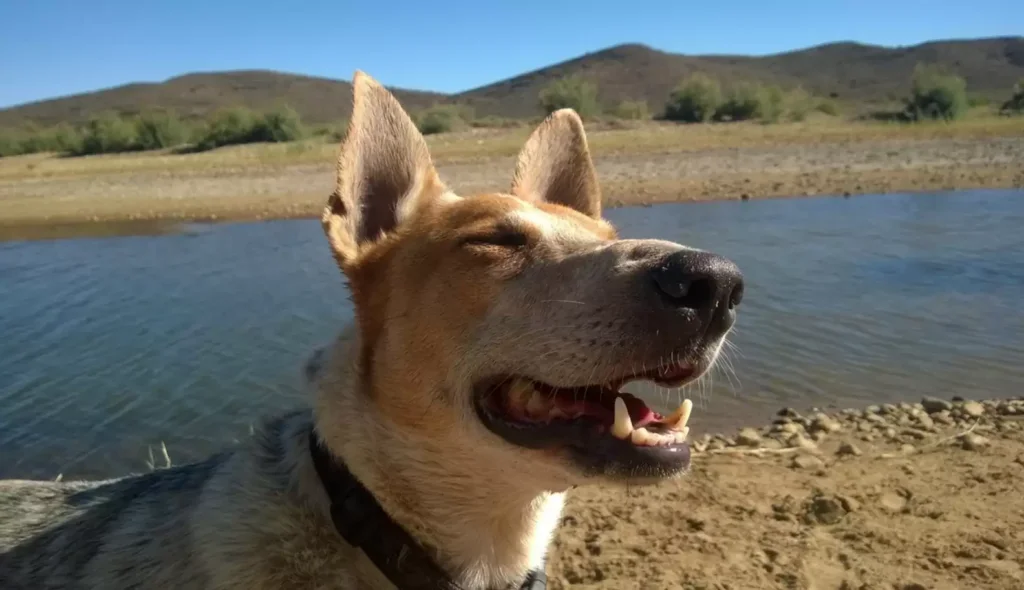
486, 530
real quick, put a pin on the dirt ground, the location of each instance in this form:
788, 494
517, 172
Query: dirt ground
908, 497
636, 167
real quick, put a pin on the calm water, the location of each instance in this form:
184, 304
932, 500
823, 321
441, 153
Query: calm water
110, 345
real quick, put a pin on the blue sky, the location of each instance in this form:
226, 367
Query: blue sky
53, 48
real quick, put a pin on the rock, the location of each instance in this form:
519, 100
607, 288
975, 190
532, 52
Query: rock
788, 413
874, 409
907, 449
807, 462
848, 449
942, 418
788, 428
748, 437
973, 442
799, 441
924, 422
823, 509
890, 433
934, 404
889, 409
874, 418
716, 445
973, 410
823, 423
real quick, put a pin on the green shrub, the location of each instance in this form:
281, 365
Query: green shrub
10, 143
696, 99
772, 104
495, 122
828, 107
936, 95
279, 125
159, 130
632, 110
571, 92
742, 104
442, 118
1015, 104
240, 125
107, 134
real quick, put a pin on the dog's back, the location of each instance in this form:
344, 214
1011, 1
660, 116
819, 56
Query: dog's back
115, 533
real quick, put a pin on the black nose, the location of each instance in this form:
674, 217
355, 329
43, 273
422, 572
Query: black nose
703, 282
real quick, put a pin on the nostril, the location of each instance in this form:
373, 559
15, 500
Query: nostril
691, 292
736, 296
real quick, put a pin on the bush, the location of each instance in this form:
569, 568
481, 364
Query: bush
936, 95
828, 107
772, 104
106, 134
632, 110
1015, 104
572, 92
696, 99
158, 130
742, 104
442, 118
241, 125
279, 125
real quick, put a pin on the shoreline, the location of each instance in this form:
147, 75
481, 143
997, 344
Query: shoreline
43, 196
904, 496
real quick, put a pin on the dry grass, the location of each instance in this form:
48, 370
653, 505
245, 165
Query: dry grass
482, 144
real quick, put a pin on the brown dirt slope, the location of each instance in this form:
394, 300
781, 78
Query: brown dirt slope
851, 72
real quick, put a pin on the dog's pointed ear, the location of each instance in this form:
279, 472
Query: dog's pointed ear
555, 166
384, 172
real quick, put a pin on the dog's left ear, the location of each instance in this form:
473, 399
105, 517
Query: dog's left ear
384, 172
555, 166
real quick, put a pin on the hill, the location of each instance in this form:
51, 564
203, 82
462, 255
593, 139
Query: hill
851, 72
317, 100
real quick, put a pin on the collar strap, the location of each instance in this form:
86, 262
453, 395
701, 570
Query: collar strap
363, 524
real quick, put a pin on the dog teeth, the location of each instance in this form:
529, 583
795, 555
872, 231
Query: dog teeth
623, 426
677, 420
641, 436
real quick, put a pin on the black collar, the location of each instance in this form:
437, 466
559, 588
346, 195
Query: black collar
363, 523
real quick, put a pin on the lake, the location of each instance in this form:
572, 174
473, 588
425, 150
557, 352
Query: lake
111, 345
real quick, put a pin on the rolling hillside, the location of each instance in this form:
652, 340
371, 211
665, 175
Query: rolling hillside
850, 72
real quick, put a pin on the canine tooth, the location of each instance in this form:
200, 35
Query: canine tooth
623, 426
535, 404
677, 420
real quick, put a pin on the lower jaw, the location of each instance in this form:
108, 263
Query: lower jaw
596, 453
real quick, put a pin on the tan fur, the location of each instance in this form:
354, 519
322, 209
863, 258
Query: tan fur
393, 396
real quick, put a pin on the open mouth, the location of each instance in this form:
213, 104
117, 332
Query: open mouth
600, 425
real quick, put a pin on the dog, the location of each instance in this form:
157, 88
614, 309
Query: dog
478, 383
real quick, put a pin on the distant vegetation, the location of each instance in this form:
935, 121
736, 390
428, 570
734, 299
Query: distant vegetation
1015, 104
571, 92
935, 95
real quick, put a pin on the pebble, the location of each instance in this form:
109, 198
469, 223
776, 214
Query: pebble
848, 449
933, 405
942, 418
748, 437
974, 442
799, 441
822, 423
973, 409
807, 462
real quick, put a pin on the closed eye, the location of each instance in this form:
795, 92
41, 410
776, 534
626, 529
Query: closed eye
501, 239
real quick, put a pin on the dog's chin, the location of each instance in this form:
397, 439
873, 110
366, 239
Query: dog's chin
598, 430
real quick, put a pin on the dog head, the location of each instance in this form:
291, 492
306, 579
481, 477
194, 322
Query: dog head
506, 323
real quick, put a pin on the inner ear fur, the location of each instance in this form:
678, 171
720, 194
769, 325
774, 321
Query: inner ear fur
555, 166
384, 172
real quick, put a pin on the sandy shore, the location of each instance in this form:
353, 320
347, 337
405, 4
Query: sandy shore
637, 166
895, 497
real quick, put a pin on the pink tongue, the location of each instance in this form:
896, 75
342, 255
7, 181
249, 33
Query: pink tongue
639, 413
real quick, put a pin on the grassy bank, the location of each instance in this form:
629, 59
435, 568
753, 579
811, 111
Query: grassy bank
639, 162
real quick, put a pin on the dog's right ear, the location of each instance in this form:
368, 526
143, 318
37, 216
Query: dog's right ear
384, 172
